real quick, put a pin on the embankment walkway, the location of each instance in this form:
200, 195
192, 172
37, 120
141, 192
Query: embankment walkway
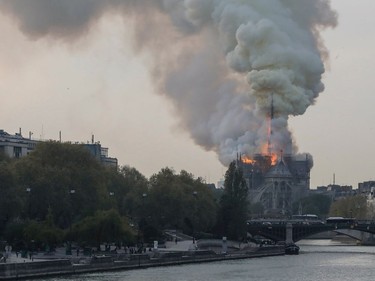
183, 252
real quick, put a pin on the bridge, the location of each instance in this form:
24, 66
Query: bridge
293, 231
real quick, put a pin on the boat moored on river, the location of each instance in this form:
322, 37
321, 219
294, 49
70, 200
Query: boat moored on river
291, 249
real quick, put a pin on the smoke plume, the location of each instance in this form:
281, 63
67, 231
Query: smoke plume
222, 63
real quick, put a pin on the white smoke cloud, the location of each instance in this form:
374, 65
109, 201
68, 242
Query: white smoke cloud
220, 62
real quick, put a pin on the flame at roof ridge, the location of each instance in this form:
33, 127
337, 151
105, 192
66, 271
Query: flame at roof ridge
280, 170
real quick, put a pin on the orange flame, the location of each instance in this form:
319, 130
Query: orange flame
273, 159
272, 156
247, 160
266, 151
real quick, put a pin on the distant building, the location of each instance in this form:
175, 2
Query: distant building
101, 154
16, 146
365, 187
336, 191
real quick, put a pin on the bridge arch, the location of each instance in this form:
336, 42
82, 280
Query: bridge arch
276, 231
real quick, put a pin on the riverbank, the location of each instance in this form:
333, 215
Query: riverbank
109, 262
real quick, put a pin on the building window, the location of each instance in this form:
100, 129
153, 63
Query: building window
17, 152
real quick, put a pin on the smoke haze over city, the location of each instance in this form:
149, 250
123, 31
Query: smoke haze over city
189, 84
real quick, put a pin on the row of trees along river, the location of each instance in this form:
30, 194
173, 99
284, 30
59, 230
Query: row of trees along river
59, 193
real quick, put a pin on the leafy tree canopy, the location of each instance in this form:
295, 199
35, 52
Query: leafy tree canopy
317, 204
179, 201
64, 177
350, 207
103, 227
234, 204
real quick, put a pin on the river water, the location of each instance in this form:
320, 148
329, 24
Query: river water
318, 260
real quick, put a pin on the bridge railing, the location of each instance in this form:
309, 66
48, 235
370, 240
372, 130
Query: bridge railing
283, 222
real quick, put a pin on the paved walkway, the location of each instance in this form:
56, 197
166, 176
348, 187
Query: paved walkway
14, 259
60, 252
179, 246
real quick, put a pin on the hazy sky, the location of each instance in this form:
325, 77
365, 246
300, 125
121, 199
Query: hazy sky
100, 85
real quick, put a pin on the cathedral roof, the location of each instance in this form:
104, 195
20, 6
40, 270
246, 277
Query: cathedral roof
280, 170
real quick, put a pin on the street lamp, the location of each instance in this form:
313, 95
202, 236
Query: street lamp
28, 190
195, 195
71, 192
68, 249
139, 242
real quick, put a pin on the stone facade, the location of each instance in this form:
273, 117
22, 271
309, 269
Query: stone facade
277, 186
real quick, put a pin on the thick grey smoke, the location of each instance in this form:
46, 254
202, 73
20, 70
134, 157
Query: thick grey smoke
222, 63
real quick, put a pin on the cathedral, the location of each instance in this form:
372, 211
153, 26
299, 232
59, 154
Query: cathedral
277, 183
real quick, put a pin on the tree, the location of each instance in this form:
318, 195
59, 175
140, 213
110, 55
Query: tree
130, 187
256, 209
14, 234
103, 227
28, 234
42, 234
233, 204
10, 202
51, 173
350, 207
317, 204
60, 184
177, 201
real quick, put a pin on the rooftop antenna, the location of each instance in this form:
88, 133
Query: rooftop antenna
334, 179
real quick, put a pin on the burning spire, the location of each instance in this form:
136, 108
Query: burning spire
269, 144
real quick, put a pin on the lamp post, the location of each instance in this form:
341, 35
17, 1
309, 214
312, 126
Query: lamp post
195, 195
112, 200
28, 190
71, 192
69, 246
358, 212
144, 195
140, 218
139, 240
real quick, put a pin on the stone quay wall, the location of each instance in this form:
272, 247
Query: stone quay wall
39, 269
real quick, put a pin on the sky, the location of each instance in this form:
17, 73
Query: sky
101, 84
